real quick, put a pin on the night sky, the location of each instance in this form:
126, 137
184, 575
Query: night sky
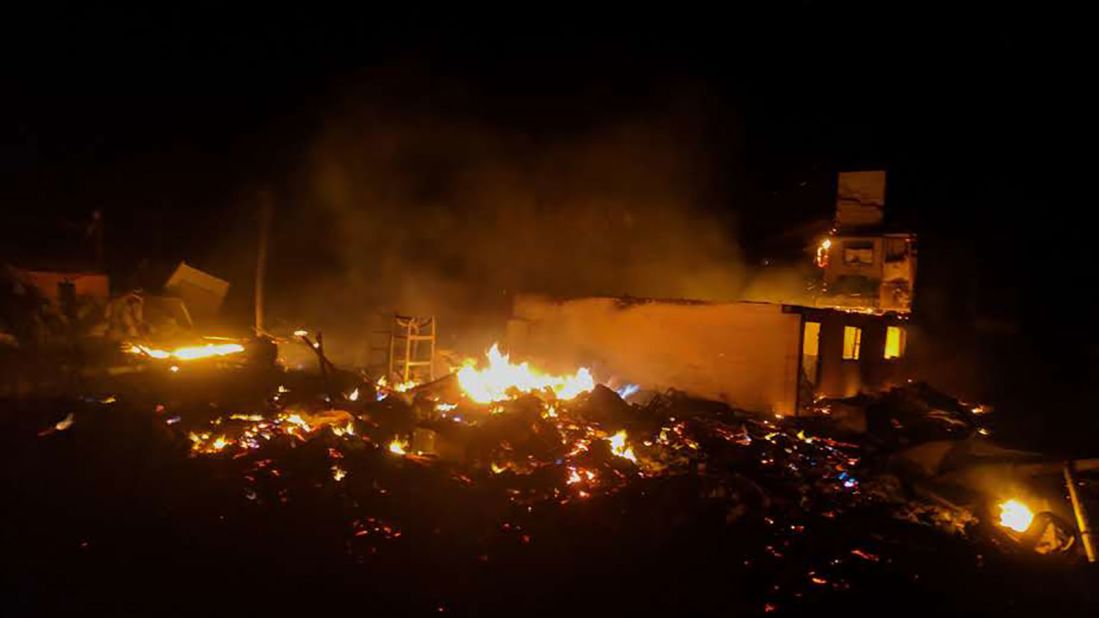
169, 122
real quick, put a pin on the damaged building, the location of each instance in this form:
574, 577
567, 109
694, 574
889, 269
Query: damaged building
767, 357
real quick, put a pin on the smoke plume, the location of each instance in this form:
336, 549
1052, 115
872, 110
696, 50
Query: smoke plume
423, 213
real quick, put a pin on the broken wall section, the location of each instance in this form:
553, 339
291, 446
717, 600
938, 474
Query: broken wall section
744, 354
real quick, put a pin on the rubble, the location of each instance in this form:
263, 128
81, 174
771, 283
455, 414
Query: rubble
537, 496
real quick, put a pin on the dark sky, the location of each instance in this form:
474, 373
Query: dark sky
169, 119
231, 96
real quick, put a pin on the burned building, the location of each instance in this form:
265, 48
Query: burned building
766, 357
864, 265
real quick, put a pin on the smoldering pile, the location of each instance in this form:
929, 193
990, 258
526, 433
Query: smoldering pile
552, 493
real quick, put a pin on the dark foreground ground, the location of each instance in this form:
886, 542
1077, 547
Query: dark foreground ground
115, 516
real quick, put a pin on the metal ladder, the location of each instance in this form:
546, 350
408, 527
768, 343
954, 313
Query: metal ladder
412, 348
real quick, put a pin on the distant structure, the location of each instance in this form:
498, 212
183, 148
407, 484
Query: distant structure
865, 267
851, 336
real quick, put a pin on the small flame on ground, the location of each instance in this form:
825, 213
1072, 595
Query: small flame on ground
400, 387
200, 443
296, 419
822, 253
398, 447
346, 430
620, 448
1015, 515
354, 396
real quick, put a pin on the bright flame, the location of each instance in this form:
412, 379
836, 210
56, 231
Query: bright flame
354, 396
346, 430
301, 333
400, 387
822, 252
1015, 515
296, 419
187, 353
398, 447
628, 390
501, 379
620, 448
151, 352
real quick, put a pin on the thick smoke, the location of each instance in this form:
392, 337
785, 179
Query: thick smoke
426, 215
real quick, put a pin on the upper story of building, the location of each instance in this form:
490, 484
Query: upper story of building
863, 266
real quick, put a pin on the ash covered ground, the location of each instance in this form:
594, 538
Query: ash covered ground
201, 495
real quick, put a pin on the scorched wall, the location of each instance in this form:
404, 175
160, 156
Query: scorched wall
745, 354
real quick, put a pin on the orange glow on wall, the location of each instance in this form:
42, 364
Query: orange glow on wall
852, 342
894, 342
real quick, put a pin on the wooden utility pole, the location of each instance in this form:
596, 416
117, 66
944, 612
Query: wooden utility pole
261, 256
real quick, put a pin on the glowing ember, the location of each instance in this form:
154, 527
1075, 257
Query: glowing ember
502, 379
354, 396
620, 448
201, 443
398, 447
188, 353
338, 473
580, 475
1015, 515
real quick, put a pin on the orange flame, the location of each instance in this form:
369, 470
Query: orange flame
502, 379
188, 353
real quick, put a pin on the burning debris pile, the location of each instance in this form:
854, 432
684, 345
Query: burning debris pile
561, 438
500, 487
